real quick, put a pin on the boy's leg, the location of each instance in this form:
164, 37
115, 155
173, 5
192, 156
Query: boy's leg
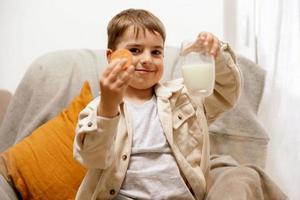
234, 183
228, 180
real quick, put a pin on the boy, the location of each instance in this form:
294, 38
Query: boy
141, 139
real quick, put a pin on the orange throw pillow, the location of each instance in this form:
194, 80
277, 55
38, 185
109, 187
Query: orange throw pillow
42, 165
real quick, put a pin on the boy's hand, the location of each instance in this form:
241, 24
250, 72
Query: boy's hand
209, 43
205, 42
113, 84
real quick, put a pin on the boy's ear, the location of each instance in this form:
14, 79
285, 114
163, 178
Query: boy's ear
108, 55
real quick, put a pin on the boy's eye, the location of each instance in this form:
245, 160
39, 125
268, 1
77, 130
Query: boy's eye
134, 50
156, 52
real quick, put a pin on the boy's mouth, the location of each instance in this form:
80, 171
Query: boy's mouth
144, 70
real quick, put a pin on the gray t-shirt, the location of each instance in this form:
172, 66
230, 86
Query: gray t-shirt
152, 172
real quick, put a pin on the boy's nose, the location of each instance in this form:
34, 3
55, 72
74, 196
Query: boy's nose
146, 58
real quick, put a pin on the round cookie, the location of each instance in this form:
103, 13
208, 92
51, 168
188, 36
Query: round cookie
122, 53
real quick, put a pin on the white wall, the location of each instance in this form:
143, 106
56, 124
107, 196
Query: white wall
239, 27
33, 27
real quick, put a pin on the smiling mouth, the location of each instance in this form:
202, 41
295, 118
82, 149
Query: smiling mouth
144, 70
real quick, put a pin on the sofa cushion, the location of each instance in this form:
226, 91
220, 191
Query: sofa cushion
42, 166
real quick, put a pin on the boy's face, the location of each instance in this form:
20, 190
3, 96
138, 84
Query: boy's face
148, 52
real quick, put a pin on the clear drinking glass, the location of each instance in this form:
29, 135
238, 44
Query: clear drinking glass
198, 70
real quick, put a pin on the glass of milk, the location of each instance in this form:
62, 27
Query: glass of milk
198, 70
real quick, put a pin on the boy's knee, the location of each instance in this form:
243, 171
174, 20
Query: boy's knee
247, 178
234, 174
248, 174
235, 183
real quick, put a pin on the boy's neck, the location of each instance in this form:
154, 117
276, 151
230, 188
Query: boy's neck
138, 96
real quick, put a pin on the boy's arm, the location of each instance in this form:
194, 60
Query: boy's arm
227, 85
98, 122
94, 139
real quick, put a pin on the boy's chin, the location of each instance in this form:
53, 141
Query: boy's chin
142, 86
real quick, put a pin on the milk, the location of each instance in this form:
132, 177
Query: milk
199, 78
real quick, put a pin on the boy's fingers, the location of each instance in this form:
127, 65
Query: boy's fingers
128, 74
115, 72
208, 40
125, 77
119, 83
114, 67
119, 66
196, 45
123, 82
203, 35
110, 67
215, 47
130, 69
187, 49
208, 43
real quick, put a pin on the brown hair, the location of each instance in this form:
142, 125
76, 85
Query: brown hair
138, 18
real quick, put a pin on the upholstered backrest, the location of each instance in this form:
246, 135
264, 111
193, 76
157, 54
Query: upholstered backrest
55, 78
5, 97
